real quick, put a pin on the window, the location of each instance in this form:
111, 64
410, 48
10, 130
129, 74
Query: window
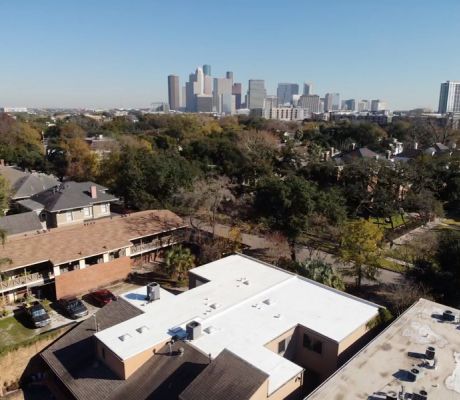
311, 344
104, 208
282, 346
306, 341
69, 216
87, 211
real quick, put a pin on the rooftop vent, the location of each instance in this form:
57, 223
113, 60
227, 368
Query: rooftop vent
153, 291
210, 329
267, 302
142, 329
193, 330
215, 306
391, 395
420, 395
125, 337
415, 373
429, 353
448, 316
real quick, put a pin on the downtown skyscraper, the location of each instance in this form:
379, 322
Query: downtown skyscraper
173, 92
449, 97
286, 91
256, 94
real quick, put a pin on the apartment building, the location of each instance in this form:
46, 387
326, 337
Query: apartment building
244, 327
416, 357
74, 259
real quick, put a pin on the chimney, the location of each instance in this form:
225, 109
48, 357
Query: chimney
93, 192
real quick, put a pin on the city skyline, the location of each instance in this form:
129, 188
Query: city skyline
75, 58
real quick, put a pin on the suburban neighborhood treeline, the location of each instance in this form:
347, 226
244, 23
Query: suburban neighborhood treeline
325, 185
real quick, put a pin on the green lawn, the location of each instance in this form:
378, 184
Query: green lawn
397, 221
12, 331
387, 264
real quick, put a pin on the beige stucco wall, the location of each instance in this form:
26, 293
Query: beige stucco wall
323, 364
125, 368
291, 388
261, 393
97, 211
290, 345
61, 217
352, 338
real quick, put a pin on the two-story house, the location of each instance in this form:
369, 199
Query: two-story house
70, 202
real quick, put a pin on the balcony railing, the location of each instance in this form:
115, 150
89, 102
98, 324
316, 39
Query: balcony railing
23, 280
158, 243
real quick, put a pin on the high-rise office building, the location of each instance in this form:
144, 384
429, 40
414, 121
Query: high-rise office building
363, 105
256, 94
269, 103
349, 105
449, 97
183, 96
194, 87
207, 84
222, 86
307, 89
229, 75
285, 92
207, 69
173, 92
378, 105
204, 103
237, 92
310, 102
332, 102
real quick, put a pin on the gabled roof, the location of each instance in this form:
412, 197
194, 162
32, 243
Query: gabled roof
362, 152
228, 377
26, 184
20, 223
71, 195
74, 242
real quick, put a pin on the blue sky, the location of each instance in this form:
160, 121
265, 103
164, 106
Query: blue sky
118, 53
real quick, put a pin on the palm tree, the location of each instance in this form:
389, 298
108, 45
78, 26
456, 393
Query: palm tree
178, 260
322, 272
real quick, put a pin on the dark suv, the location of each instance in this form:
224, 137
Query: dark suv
73, 307
37, 314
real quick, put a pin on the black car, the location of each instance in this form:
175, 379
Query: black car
37, 314
73, 307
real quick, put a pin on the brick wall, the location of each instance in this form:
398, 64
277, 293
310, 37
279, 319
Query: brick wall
83, 280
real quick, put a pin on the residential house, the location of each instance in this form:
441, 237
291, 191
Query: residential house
70, 202
24, 184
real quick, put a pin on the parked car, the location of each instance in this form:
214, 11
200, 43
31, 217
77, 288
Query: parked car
102, 297
37, 314
73, 307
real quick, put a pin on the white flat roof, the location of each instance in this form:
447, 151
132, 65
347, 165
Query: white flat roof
233, 305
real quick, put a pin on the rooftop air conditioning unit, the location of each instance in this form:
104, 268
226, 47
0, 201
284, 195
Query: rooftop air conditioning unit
193, 330
153, 291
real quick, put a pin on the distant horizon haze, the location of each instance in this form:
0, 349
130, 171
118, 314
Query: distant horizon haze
118, 54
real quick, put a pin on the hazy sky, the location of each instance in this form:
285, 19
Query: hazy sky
114, 53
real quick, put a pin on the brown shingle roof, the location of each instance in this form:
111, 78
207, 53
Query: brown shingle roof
228, 377
66, 244
164, 376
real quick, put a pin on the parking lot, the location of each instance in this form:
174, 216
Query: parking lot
18, 328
